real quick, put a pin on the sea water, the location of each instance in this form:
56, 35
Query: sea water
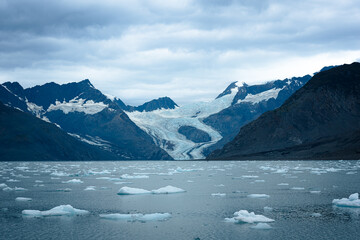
297, 195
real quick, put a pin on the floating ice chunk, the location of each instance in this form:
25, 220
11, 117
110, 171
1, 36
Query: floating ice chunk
3, 185
127, 176
351, 172
23, 199
8, 189
137, 217
132, 191
218, 194
220, 185
259, 180
190, 181
243, 216
263, 226
38, 181
315, 192
62, 210
297, 188
118, 183
258, 196
316, 214
283, 184
167, 190
59, 174
352, 201
268, 209
13, 180
249, 176
73, 181
90, 188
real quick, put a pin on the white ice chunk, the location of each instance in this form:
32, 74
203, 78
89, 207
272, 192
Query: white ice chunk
258, 195
167, 190
316, 214
352, 201
127, 176
268, 209
137, 217
73, 181
283, 184
249, 176
263, 226
297, 188
90, 188
243, 216
315, 192
62, 210
132, 191
3, 185
59, 174
23, 199
218, 194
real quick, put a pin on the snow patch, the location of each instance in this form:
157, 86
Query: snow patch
78, 105
263, 96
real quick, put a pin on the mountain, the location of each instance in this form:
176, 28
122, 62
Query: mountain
87, 114
192, 131
155, 104
25, 137
320, 121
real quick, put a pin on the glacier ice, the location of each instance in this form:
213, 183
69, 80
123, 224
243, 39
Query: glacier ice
62, 210
352, 201
137, 217
243, 216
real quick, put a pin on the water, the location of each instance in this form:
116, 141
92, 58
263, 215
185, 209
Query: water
195, 214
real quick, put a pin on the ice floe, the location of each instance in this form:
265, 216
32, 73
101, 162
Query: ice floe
297, 188
135, 191
132, 191
23, 199
352, 201
137, 217
255, 195
127, 176
73, 181
243, 216
8, 189
62, 210
315, 192
90, 188
218, 194
168, 189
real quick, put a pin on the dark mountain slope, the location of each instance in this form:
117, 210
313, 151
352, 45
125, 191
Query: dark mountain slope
25, 137
320, 121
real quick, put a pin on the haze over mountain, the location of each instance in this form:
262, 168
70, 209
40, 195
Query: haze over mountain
320, 121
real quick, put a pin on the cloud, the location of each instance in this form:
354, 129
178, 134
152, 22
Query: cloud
187, 50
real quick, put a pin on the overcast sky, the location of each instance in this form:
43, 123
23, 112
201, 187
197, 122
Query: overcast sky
187, 50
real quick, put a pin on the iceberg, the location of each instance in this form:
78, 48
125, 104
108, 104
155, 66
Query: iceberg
137, 217
73, 181
258, 196
243, 216
90, 188
62, 210
23, 199
3, 185
132, 191
127, 176
218, 194
168, 189
352, 201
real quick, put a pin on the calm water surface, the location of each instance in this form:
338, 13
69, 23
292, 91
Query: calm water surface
195, 214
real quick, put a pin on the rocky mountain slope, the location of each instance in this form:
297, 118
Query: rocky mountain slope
26, 137
87, 114
320, 121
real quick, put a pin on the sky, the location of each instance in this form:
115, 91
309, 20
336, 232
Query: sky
185, 49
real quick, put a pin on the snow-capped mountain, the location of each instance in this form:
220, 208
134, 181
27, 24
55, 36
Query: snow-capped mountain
194, 130
86, 114
320, 121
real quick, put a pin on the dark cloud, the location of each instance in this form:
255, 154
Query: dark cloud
185, 49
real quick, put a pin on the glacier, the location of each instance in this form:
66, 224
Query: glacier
163, 124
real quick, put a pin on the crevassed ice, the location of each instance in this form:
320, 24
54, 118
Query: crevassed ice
78, 105
163, 126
